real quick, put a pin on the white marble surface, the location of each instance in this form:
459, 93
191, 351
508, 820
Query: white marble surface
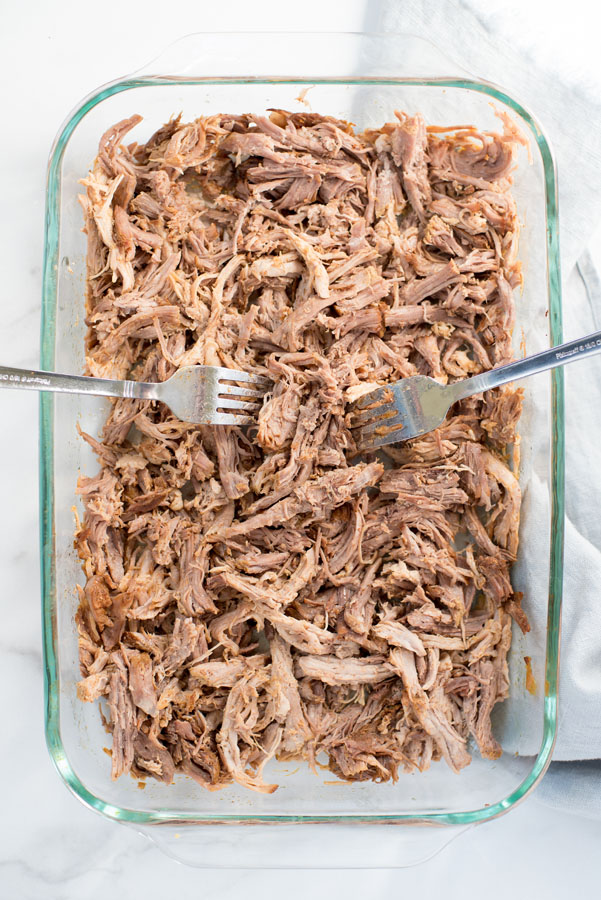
50, 845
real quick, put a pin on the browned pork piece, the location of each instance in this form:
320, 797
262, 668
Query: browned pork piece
260, 592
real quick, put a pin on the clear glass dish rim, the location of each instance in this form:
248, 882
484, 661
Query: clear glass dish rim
46, 486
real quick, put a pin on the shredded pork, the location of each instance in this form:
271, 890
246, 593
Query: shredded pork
261, 592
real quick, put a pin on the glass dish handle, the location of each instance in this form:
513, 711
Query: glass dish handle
344, 55
318, 846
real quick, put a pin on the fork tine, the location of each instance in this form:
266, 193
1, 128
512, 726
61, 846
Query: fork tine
382, 432
364, 416
374, 398
235, 390
384, 426
370, 443
228, 375
226, 403
219, 418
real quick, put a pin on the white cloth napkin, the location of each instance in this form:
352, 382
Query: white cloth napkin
492, 42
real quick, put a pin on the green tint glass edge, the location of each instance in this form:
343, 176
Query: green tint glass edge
47, 536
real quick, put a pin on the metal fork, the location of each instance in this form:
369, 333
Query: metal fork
418, 404
204, 395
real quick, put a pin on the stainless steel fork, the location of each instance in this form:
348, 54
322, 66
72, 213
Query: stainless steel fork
418, 404
204, 395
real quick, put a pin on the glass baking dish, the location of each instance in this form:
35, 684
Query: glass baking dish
363, 78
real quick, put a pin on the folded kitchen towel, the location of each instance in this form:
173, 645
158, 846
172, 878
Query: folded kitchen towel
563, 91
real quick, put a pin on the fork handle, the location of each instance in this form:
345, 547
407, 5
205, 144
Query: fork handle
531, 365
28, 379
